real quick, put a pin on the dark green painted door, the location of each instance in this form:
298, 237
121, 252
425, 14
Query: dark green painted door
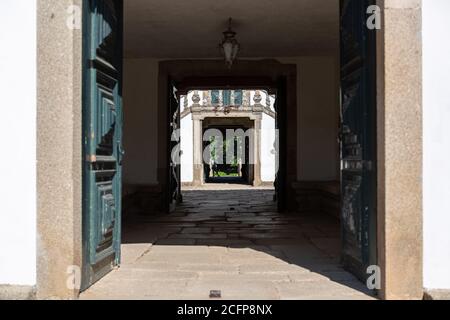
174, 154
102, 138
358, 137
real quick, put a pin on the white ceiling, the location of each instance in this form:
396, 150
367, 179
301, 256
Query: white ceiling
265, 28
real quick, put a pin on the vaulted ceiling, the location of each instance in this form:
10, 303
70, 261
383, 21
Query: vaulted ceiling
265, 28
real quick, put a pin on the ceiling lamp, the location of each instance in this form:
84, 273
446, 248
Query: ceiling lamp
230, 46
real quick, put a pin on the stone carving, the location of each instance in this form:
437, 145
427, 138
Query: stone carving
257, 98
196, 98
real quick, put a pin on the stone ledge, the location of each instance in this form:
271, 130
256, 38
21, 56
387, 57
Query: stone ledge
318, 196
437, 294
13, 292
189, 184
142, 198
267, 184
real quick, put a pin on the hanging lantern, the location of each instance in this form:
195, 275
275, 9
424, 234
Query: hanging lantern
230, 46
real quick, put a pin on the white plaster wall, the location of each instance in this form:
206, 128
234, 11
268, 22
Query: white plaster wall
268, 160
187, 147
18, 145
318, 117
436, 113
140, 128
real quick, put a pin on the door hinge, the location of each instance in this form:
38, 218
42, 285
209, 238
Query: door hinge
91, 158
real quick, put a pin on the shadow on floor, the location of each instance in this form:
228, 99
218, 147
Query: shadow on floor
234, 241
227, 180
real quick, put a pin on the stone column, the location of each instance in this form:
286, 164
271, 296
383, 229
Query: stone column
257, 153
198, 151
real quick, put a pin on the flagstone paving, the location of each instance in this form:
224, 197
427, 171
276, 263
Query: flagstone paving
231, 240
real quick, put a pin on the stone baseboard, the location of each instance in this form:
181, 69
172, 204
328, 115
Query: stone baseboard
145, 199
261, 184
267, 184
12, 292
437, 294
318, 196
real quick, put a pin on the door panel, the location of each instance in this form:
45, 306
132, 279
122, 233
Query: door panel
174, 148
358, 137
102, 138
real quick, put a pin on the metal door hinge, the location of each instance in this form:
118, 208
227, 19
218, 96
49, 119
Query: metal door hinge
92, 158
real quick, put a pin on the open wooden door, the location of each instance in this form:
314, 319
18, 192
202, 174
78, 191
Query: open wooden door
102, 138
358, 137
174, 152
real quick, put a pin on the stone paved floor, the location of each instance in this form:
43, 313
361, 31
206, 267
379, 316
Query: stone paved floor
233, 241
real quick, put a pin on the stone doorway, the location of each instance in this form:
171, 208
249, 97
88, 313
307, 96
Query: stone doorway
228, 139
400, 264
268, 75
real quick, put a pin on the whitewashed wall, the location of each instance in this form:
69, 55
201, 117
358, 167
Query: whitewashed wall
436, 111
268, 162
318, 117
268, 155
187, 145
140, 127
18, 142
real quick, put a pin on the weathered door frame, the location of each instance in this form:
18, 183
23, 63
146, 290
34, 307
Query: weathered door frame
59, 156
246, 124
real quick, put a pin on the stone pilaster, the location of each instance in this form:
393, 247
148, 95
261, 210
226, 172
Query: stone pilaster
59, 153
198, 152
399, 107
257, 153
